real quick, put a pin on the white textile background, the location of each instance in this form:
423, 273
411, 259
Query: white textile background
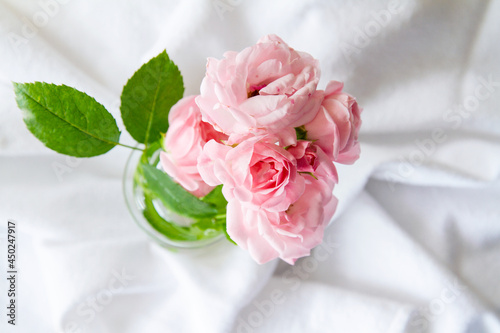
415, 243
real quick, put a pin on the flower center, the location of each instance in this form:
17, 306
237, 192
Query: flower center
255, 90
265, 175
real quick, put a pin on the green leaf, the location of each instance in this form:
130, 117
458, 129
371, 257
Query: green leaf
301, 132
166, 228
216, 198
203, 229
66, 120
148, 96
173, 195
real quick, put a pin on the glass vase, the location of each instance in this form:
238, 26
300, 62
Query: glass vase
154, 218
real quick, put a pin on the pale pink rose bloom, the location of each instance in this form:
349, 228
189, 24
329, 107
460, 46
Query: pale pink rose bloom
336, 126
183, 143
288, 235
257, 172
268, 86
312, 159
275, 208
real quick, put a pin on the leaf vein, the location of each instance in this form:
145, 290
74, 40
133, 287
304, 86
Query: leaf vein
151, 116
66, 121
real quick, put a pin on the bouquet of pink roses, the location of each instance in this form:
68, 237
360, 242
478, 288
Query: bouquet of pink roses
252, 156
262, 130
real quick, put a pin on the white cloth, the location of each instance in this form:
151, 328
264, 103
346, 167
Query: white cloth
415, 243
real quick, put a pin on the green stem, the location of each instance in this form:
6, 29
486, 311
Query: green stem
127, 146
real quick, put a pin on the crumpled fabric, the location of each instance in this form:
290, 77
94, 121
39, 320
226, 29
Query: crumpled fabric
414, 245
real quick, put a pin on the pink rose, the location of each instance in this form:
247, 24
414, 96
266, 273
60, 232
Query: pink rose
257, 172
268, 86
335, 128
275, 207
311, 159
184, 141
288, 235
